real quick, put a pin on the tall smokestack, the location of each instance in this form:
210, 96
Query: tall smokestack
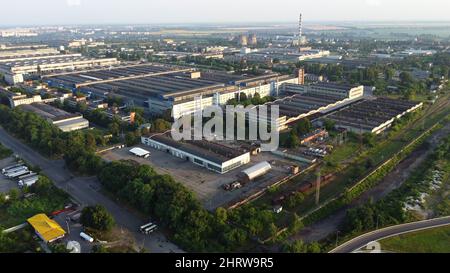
300, 29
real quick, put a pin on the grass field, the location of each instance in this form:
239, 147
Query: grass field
435, 240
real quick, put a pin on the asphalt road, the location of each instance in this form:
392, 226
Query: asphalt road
377, 235
86, 191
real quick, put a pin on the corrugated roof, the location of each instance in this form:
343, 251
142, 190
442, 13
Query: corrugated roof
47, 228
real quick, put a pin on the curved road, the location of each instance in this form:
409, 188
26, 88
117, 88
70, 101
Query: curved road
363, 240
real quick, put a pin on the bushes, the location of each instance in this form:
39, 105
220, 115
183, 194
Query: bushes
97, 217
389, 210
300, 247
48, 198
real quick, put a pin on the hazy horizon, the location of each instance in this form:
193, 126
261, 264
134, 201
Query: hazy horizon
173, 12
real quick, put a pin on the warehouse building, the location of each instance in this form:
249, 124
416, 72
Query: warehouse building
210, 155
65, 121
159, 88
327, 89
16, 99
372, 116
295, 107
24, 64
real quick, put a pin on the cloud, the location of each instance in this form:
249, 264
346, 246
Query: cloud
73, 3
374, 3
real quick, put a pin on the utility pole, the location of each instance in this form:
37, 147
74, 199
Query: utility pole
68, 227
318, 187
337, 237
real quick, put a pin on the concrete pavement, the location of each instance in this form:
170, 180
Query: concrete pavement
86, 190
363, 240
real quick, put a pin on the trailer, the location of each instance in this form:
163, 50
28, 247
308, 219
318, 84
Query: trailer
28, 180
32, 174
12, 170
9, 168
18, 173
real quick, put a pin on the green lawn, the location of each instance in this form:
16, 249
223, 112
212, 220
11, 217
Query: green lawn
435, 240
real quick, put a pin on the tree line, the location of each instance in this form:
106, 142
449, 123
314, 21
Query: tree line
77, 148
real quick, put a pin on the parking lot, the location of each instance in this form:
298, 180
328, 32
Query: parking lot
206, 184
7, 184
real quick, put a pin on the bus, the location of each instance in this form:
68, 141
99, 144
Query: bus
143, 227
150, 229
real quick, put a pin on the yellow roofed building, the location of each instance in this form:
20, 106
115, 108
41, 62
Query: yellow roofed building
46, 228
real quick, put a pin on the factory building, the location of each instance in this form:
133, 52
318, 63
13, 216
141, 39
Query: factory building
65, 121
161, 88
295, 107
210, 155
16, 99
326, 89
372, 116
291, 54
20, 65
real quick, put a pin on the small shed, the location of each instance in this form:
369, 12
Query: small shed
255, 171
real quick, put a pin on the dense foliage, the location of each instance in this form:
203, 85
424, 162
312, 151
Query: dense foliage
78, 148
97, 217
175, 207
46, 199
389, 210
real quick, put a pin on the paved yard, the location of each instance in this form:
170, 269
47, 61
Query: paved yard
7, 184
206, 184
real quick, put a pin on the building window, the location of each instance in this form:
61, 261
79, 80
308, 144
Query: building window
214, 168
198, 161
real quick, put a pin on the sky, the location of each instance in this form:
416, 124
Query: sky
45, 12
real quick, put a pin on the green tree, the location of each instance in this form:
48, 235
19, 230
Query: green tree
303, 127
292, 140
329, 124
97, 217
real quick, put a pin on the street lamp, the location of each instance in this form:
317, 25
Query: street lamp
337, 237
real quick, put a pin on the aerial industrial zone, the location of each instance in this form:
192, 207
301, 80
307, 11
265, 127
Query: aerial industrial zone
89, 162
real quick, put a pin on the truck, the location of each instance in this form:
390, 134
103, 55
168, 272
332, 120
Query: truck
28, 180
9, 168
18, 173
